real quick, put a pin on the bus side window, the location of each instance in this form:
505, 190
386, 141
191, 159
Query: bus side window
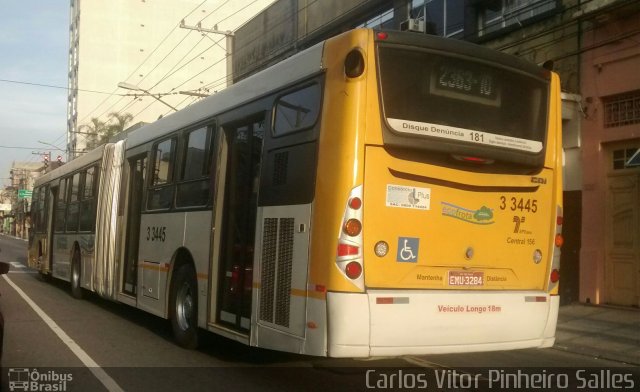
297, 110
193, 186
73, 208
87, 201
160, 195
61, 206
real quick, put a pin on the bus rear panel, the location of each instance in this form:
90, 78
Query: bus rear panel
460, 205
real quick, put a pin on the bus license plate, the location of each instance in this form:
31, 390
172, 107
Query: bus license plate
466, 278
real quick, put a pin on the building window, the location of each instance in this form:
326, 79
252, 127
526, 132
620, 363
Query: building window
447, 16
621, 158
498, 14
381, 21
622, 109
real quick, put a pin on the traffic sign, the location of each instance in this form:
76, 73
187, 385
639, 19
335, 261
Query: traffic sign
24, 193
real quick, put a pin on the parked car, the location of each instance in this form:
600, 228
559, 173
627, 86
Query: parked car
4, 268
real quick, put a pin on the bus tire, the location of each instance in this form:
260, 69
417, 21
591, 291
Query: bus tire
76, 276
183, 306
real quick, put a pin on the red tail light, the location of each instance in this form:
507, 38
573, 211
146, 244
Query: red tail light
355, 203
555, 276
559, 220
353, 270
478, 160
559, 240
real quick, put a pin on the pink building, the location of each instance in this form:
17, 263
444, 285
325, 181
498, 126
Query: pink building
610, 89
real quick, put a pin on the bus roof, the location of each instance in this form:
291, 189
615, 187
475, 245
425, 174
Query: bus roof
87, 159
296, 67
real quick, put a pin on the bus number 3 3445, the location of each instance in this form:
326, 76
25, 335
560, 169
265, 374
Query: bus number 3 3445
156, 233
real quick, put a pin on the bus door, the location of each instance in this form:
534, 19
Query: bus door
137, 166
240, 185
51, 203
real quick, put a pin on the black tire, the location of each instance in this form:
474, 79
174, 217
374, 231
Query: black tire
183, 307
76, 276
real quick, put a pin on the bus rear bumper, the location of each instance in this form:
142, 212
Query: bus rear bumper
410, 322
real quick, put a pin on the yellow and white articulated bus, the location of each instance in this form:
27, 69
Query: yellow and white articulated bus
380, 193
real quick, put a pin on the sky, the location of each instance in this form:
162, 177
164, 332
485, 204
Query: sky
34, 49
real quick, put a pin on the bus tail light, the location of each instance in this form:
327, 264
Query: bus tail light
349, 257
558, 241
476, 160
353, 270
555, 276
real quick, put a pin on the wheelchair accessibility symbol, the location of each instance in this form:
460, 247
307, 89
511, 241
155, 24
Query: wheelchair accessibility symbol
408, 250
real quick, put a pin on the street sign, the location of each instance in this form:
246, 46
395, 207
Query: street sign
24, 193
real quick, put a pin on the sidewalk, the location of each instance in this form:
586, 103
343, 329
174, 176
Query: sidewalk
600, 331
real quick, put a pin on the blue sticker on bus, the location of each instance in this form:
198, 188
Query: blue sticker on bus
408, 250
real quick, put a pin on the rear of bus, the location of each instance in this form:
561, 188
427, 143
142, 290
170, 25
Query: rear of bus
451, 233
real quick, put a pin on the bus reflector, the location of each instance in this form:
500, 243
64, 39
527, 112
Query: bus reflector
531, 298
381, 249
392, 300
353, 270
347, 250
560, 221
382, 35
555, 276
559, 240
352, 227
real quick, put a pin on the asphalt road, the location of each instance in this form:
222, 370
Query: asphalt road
94, 344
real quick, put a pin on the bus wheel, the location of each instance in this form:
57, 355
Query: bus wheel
183, 311
76, 288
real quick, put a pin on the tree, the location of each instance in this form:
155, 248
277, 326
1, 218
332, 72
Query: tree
99, 132
92, 131
120, 122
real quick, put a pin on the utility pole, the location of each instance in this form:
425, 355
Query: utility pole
229, 44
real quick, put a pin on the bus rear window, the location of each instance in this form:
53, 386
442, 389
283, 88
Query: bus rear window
458, 101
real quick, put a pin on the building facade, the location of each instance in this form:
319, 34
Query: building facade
17, 198
610, 86
155, 48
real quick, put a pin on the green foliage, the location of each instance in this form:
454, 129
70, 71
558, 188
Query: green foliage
99, 132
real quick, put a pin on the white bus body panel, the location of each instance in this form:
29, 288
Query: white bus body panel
279, 320
161, 235
435, 322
